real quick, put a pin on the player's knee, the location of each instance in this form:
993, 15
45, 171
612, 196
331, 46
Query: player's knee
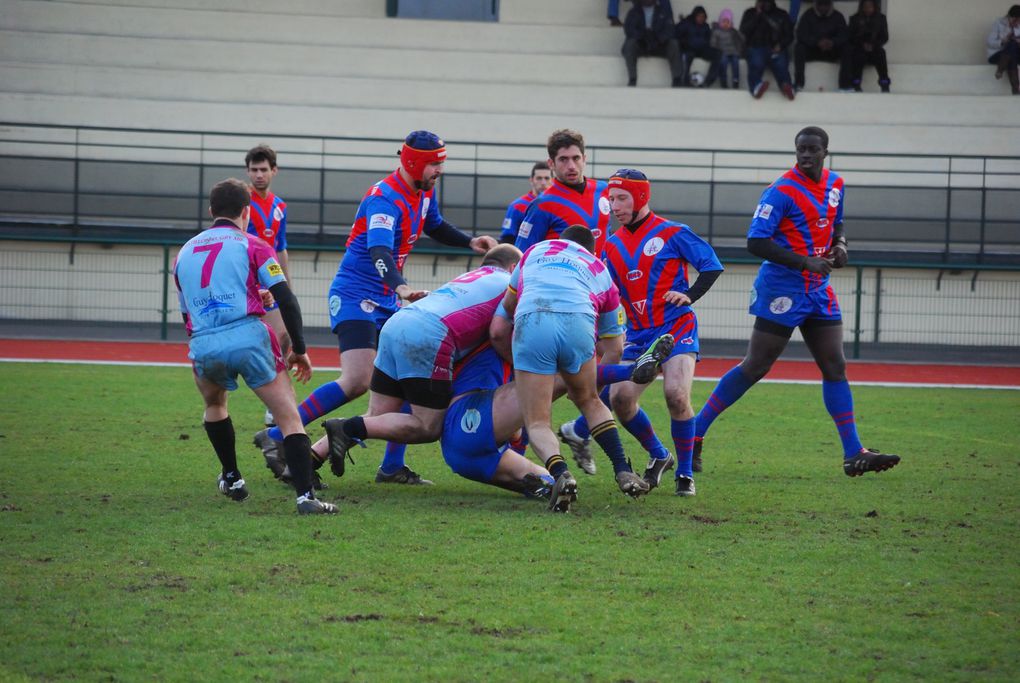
354, 384
624, 406
755, 369
679, 406
834, 370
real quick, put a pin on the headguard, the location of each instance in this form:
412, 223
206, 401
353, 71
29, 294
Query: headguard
634, 182
420, 149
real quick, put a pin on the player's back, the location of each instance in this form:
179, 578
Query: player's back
217, 275
466, 304
560, 276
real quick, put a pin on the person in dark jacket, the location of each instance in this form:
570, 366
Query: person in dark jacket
694, 34
649, 30
869, 32
822, 35
768, 32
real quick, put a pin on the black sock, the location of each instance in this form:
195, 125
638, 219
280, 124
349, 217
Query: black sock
355, 427
608, 439
221, 435
556, 466
297, 450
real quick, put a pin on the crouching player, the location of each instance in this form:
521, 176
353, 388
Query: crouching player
218, 274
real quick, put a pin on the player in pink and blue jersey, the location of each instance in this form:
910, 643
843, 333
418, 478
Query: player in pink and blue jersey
218, 274
571, 199
798, 230
648, 258
541, 178
417, 350
369, 282
557, 294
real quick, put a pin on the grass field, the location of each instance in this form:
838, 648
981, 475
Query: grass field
120, 561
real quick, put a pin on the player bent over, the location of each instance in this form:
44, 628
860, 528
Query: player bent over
798, 230
418, 347
556, 294
218, 274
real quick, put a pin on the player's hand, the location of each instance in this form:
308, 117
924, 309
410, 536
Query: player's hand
407, 294
300, 365
838, 256
677, 298
267, 298
483, 243
815, 264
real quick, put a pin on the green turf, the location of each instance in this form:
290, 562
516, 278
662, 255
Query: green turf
120, 561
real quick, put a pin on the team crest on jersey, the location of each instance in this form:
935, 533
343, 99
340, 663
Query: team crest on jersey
781, 304
471, 421
634, 275
763, 211
834, 197
653, 246
524, 230
277, 213
334, 304
425, 206
639, 306
604, 206
367, 305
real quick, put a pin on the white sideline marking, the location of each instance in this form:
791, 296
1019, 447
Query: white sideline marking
898, 385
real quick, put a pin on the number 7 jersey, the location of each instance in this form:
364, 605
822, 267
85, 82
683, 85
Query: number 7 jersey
218, 274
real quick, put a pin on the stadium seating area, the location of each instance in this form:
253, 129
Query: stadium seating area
342, 68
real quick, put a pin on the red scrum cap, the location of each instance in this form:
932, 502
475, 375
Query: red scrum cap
634, 182
420, 149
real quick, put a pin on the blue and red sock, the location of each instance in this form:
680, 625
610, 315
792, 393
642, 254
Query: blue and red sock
641, 429
683, 441
840, 404
323, 400
731, 387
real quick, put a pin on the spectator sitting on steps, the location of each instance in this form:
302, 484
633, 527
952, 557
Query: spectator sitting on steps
649, 31
1004, 47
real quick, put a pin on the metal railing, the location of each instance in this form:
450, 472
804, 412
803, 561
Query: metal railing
75, 182
885, 304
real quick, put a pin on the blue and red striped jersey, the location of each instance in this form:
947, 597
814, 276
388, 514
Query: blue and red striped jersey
647, 263
559, 207
392, 214
515, 214
798, 214
269, 220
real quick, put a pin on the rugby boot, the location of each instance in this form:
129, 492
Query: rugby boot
580, 448
684, 486
308, 505
563, 494
235, 491
646, 367
537, 486
656, 467
631, 484
272, 452
869, 461
405, 475
339, 444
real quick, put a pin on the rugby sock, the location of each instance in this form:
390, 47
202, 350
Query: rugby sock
731, 387
556, 465
324, 399
608, 438
393, 456
581, 424
840, 404
611, 374
641, 428
683, 441
221, 436
297, 451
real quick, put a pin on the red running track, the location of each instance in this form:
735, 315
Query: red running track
325, 358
